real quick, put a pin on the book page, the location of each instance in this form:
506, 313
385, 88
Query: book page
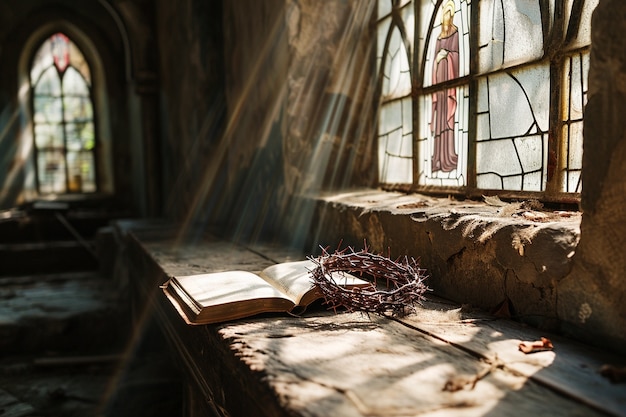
293, 279
214, 289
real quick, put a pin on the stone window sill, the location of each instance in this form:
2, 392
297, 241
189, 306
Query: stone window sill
493, 255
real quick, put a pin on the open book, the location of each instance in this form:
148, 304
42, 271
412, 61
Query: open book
230, 295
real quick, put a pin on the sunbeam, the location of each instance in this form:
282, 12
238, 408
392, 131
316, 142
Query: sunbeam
14, 156
342, 123
303, 127
141, 322
213, 194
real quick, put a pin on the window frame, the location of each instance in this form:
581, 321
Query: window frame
64, 121
557, 49
102, 114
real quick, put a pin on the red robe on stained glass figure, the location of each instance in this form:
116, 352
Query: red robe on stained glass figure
446, 67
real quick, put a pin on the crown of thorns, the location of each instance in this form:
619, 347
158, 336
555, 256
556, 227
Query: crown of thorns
403, 277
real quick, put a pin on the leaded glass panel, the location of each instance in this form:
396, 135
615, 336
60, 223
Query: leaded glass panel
396, 72
383, 32
48, 109
426, 9
74, 84
395, 148
384, 8
520, 130
51, 171
579, 22
80, 171
63, 118
76, 108
49, 84
575, 71
395, 122
408, 23
512, 130
511, 32
49, 135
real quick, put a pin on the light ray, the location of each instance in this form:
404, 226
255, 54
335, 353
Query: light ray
330, 107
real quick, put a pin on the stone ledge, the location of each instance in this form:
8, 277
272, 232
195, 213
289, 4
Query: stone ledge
352, 364
492, 255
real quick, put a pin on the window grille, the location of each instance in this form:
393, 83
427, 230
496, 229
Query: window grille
63, 118
483, 96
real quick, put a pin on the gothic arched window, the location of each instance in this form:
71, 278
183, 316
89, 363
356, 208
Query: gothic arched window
63, 118
479, 96
395, 124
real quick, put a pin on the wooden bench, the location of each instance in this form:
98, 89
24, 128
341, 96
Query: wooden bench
443, 360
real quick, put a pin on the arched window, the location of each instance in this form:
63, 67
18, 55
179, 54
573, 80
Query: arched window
63, 118
395, 124
490, 94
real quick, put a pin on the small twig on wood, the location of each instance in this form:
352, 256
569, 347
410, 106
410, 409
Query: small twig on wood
460, 382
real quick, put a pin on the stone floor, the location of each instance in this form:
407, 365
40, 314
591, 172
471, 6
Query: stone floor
66, 350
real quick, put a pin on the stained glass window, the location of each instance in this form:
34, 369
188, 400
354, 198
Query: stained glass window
395, 124
498, 90
512, 129
444, 107
63, 119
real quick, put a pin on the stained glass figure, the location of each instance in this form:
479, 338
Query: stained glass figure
444, 110
521, 128
446, 67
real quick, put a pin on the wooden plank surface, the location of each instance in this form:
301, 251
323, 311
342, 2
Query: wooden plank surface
355, 365
358, 365
571, 368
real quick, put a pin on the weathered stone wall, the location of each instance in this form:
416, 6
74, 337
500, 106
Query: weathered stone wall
296, 100
330, 109
190, 120
256, 63
593, 298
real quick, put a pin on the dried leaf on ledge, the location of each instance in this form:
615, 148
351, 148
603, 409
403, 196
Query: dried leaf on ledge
537, 346
494, 201
416, 204
535, 216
